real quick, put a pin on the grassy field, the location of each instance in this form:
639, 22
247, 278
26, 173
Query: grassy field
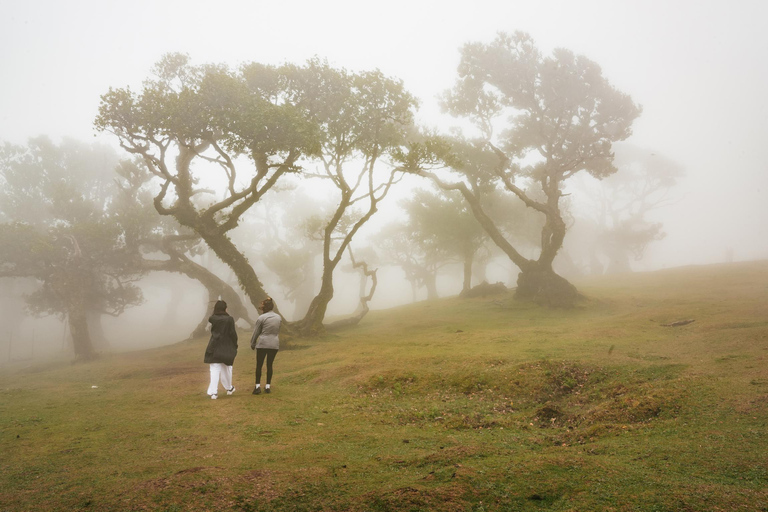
459, 405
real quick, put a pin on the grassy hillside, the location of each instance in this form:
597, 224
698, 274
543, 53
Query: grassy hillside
461, 405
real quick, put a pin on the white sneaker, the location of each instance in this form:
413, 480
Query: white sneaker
230, 391
214, 397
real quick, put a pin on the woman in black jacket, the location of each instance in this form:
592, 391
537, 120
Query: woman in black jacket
221, 350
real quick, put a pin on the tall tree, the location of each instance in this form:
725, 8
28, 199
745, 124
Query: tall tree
562, 117
61, 230
362, 117
199, 125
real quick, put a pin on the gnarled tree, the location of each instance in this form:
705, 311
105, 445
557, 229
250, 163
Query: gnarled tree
200, 125
153, 235
560, 117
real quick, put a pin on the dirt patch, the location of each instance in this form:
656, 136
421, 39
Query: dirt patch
446, 499
633, 409
549, 414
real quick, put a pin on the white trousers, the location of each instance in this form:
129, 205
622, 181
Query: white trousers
220, 371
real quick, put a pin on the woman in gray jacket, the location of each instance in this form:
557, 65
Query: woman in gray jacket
266, 342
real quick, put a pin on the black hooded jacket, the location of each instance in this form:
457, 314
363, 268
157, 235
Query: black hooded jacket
223, 345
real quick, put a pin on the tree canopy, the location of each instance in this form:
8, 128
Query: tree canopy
200, 125
544, 118
362, 117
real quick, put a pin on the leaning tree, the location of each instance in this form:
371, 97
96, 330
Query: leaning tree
559, 116
201, 126
162, 243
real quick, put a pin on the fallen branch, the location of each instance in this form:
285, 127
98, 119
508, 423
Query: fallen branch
679, 323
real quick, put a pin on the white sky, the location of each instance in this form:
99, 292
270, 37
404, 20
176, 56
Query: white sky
698, 68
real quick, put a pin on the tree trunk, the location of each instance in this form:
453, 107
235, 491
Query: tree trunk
200, 331
467, 285
363, 285
96, 331
312, 323
215, 287
305, 294
81, 338
546, 288
537, 281
223, 247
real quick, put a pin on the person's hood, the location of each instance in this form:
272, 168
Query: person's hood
218, 319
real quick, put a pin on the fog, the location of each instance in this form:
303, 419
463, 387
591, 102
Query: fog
697, 68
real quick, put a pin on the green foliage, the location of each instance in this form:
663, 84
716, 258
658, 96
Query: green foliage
189, 105
248, 128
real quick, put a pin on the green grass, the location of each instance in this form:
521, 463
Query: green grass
460, 405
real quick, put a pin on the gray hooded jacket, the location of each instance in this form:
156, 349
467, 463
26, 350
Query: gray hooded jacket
266, 330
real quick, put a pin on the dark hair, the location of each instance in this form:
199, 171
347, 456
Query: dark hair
267, 304
220, 307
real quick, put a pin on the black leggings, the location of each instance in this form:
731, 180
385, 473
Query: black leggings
261, 353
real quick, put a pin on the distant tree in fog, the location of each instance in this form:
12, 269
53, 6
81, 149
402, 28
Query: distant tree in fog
444, 226
618, 206
400, 245
559, 116
198, 126
286, 243
362, 117
60, 228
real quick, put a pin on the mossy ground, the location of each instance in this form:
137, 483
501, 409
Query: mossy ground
465, 405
